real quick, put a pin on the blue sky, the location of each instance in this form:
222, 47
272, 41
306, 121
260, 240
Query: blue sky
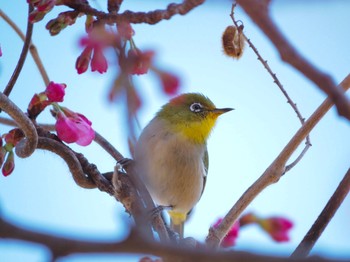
41, 194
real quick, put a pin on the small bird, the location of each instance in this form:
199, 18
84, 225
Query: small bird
171, 154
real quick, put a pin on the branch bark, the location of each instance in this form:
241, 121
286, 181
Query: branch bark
151, 17
273, 173
135, 244
27, 145
324, 218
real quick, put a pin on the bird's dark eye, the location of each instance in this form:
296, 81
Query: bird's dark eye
196, 107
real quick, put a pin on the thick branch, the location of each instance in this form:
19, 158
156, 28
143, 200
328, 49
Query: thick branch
324, 218
152, 17
134, 243
73, 163
273, 173
27, 145
258, 12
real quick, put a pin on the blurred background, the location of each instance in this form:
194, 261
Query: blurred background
41, 194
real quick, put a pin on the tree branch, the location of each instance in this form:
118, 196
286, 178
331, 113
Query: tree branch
324, 218
33, 50
273, 173
135, 244
73, 163
22, 57
27, 145
151, 17
258, 12
114, 5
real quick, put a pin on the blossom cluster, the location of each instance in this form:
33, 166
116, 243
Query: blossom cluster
7, 160
132, 60
276, 227
41, 8
71, 127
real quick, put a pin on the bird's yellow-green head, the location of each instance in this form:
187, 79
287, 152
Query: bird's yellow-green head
194, 115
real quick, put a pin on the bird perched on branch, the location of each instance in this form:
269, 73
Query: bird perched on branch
171, 154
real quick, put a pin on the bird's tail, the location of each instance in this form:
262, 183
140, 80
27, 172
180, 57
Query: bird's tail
177, 221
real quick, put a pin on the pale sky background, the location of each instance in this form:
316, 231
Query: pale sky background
41, 194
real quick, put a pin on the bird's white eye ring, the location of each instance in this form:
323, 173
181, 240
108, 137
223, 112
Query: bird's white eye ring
196, 107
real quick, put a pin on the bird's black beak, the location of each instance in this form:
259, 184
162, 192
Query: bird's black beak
220, 111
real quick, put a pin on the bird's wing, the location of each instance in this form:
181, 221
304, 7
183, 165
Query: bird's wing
206, 167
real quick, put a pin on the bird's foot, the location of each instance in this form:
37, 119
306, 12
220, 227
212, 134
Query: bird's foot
123, 163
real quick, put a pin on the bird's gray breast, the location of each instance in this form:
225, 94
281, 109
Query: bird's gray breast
171, 166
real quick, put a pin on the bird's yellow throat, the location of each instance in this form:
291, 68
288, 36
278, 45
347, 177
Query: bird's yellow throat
197, 131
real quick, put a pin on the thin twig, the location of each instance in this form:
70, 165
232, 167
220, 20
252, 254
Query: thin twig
32, 49
280, 86
108, 147
273, 173
259, 13
27, 145
324, 218
22, 57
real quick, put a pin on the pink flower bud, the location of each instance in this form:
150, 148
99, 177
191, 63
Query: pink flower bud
230, 239
55, 92
247, 219
33, 2
14, 136
45, 5
139, 62
98, 62
277, 227
0, 52
83, 60
37, 104
170, 83
73, 127
9, 164
36, 16
125, 30
3, 152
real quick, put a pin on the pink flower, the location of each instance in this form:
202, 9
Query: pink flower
37, 104
125, 30
0, 52
73, 127
3, 153
139, 62
277, 227
36, 16
55, 92
170, 83
45, 5
13, 137
9, 164
230, 238
83, 60
98, 62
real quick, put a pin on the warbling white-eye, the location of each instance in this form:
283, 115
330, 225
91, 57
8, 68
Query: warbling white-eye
171, 154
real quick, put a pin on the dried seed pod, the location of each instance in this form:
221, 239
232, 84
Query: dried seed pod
233, 41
